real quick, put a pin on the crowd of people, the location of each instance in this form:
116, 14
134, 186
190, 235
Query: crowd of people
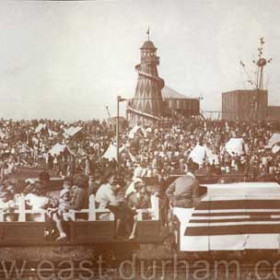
148, 156
158, 149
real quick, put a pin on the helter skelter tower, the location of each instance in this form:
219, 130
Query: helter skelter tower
147, 105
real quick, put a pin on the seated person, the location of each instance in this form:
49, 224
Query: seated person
61, 213
78, 193
136, 200
7, 205
38, 200
106, 198
106, 194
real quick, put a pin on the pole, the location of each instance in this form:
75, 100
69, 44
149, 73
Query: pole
117, 133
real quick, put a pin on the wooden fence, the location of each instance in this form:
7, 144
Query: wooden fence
92, 213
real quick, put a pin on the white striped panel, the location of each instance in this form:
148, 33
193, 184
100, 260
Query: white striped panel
231, 217
235, 210
233, 224
235, 242
241, 198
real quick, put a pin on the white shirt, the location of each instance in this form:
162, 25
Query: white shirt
37, 202
105, 195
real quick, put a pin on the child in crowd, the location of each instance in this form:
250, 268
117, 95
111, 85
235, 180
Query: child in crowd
7, 205
61, 213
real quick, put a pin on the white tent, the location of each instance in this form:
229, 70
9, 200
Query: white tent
135, 130
111, 152
71, 131
274, 139
235, 146
40, 127
52, 133
59, 148
275, 149
201, 153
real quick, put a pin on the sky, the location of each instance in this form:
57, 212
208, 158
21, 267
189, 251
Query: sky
70, 59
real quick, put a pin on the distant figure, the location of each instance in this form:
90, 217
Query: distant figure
50, 161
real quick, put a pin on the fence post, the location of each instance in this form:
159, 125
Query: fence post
21, 208
155, 207
1, 215
92, 213
139, 216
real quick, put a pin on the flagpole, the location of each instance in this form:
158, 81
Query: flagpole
117, 132
119, 99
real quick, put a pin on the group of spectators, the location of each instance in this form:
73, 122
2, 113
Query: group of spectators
28, 143
112, 193
156, 151
166, 151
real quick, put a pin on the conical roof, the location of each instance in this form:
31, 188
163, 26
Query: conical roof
148, 45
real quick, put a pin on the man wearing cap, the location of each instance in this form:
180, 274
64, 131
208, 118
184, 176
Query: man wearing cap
183, 192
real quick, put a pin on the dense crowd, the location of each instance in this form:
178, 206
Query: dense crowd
87, 161
154, 150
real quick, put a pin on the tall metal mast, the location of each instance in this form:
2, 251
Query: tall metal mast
261, 62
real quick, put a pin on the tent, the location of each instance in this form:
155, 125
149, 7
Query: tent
111, 153
274, 139
71, 131
235, 146
60, 148
52, 133
137, 129
275, 149
40, 127
201, 153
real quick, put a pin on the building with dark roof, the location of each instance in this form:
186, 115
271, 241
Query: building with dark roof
177, 103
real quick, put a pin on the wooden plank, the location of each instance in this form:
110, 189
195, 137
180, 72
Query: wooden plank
92, 232
149, 231
17, 233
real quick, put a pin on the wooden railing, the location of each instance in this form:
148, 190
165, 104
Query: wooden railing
93, 213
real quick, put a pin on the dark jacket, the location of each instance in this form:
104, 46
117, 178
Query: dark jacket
183, 192
79, 198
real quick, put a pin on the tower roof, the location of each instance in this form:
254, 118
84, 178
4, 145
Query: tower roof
148, 45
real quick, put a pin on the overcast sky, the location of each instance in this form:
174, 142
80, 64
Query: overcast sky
69, 60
